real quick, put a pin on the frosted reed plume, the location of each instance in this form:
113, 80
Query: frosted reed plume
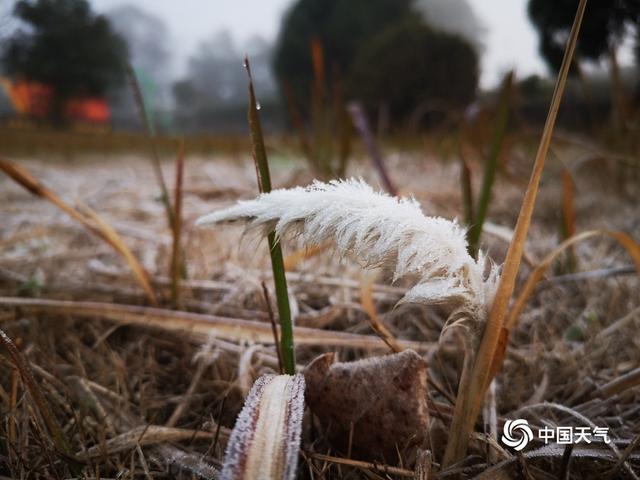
379, 231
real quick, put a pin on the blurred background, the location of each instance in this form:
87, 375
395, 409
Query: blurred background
414, 66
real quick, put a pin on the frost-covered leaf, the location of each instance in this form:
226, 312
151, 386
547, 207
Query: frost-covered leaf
265, 440
384, 400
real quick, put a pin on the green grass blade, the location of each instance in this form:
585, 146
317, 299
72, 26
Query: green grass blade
491, 165
177, 254
277, 263
467, 189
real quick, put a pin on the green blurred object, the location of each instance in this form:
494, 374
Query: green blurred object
30, 288
159, 118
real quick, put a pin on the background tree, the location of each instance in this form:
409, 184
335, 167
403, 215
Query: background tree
341, 26
411, 68
605, 25
382, 51
66, 46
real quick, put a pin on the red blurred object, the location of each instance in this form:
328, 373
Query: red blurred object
34, 100
91, 110
29, 98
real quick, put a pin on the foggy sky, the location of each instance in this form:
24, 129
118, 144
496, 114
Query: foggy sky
511, 41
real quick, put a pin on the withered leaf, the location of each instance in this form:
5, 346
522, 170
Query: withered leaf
384, 400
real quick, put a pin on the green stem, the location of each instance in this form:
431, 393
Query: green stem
284, 310
491, 166
277, 263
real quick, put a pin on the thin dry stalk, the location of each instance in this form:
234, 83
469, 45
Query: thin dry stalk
274, 327
344, 125
368, 305
621, 383
623, 458
201, 327
568, 208
184, 403
317, 60
176, 251
591, 275
373, 467
56, 434
472, 388
87, 217
296, 119
618, 324
84, 386
142, 436
13, 400
294, 277
361, 123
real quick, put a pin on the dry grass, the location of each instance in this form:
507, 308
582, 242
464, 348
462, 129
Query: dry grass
146, 402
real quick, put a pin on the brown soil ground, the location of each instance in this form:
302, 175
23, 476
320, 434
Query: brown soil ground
102, 379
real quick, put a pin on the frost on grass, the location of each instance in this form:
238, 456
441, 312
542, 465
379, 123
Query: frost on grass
379, 231
265, 440
189, 462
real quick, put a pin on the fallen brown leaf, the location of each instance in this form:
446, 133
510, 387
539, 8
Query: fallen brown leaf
383, 399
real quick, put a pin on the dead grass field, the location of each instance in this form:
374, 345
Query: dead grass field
157, 400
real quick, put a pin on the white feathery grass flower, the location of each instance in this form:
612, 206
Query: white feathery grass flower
379, 231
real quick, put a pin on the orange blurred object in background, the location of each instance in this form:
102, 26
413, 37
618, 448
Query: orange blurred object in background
34, 99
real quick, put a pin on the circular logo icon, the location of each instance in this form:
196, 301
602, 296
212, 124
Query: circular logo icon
516, 434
